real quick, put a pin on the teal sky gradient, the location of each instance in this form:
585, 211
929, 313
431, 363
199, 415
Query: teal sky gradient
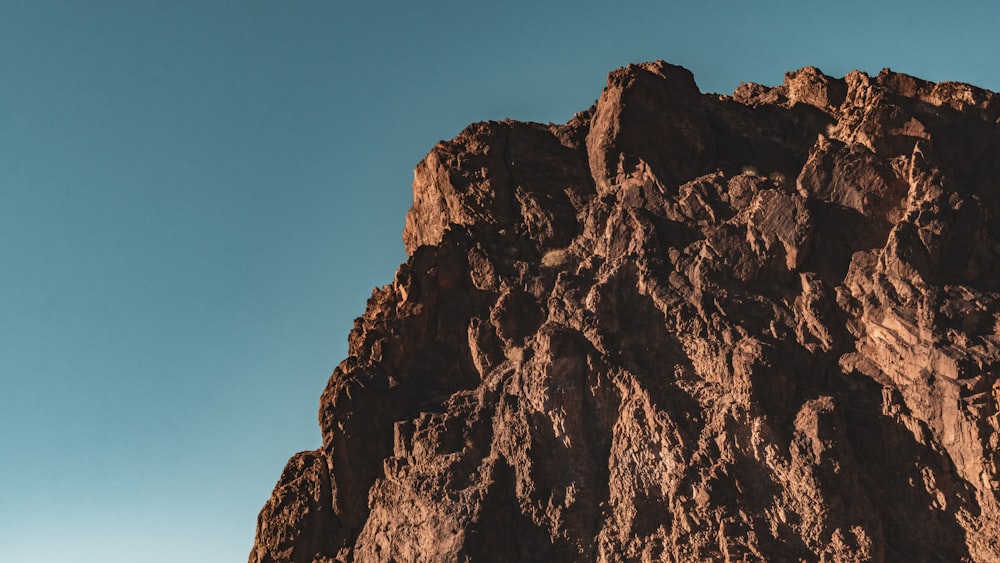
197, 198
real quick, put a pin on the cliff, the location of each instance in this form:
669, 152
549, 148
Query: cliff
683, 327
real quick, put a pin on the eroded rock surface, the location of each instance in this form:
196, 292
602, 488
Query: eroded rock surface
681, 327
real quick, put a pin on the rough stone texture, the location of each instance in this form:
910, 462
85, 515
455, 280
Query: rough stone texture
682, 327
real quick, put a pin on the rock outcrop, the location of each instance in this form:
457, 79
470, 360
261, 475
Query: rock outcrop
680, 327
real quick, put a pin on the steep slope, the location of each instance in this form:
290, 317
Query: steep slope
683, 327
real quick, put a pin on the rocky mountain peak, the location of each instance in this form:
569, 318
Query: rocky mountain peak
683, 327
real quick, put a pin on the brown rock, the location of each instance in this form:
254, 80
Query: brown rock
298, 523
681, 327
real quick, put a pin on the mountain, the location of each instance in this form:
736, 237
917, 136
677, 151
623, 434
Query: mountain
683, 327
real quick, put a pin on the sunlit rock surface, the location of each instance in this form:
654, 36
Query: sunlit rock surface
681, 327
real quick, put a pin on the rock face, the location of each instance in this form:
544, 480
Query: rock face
682, 327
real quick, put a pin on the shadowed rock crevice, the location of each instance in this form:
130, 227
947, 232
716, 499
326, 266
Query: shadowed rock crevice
680, 327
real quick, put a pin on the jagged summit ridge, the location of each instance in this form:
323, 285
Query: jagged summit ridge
682, 326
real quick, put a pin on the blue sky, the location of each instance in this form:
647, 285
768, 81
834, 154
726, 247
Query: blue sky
196, 199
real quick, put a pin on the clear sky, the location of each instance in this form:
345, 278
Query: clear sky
197, 197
